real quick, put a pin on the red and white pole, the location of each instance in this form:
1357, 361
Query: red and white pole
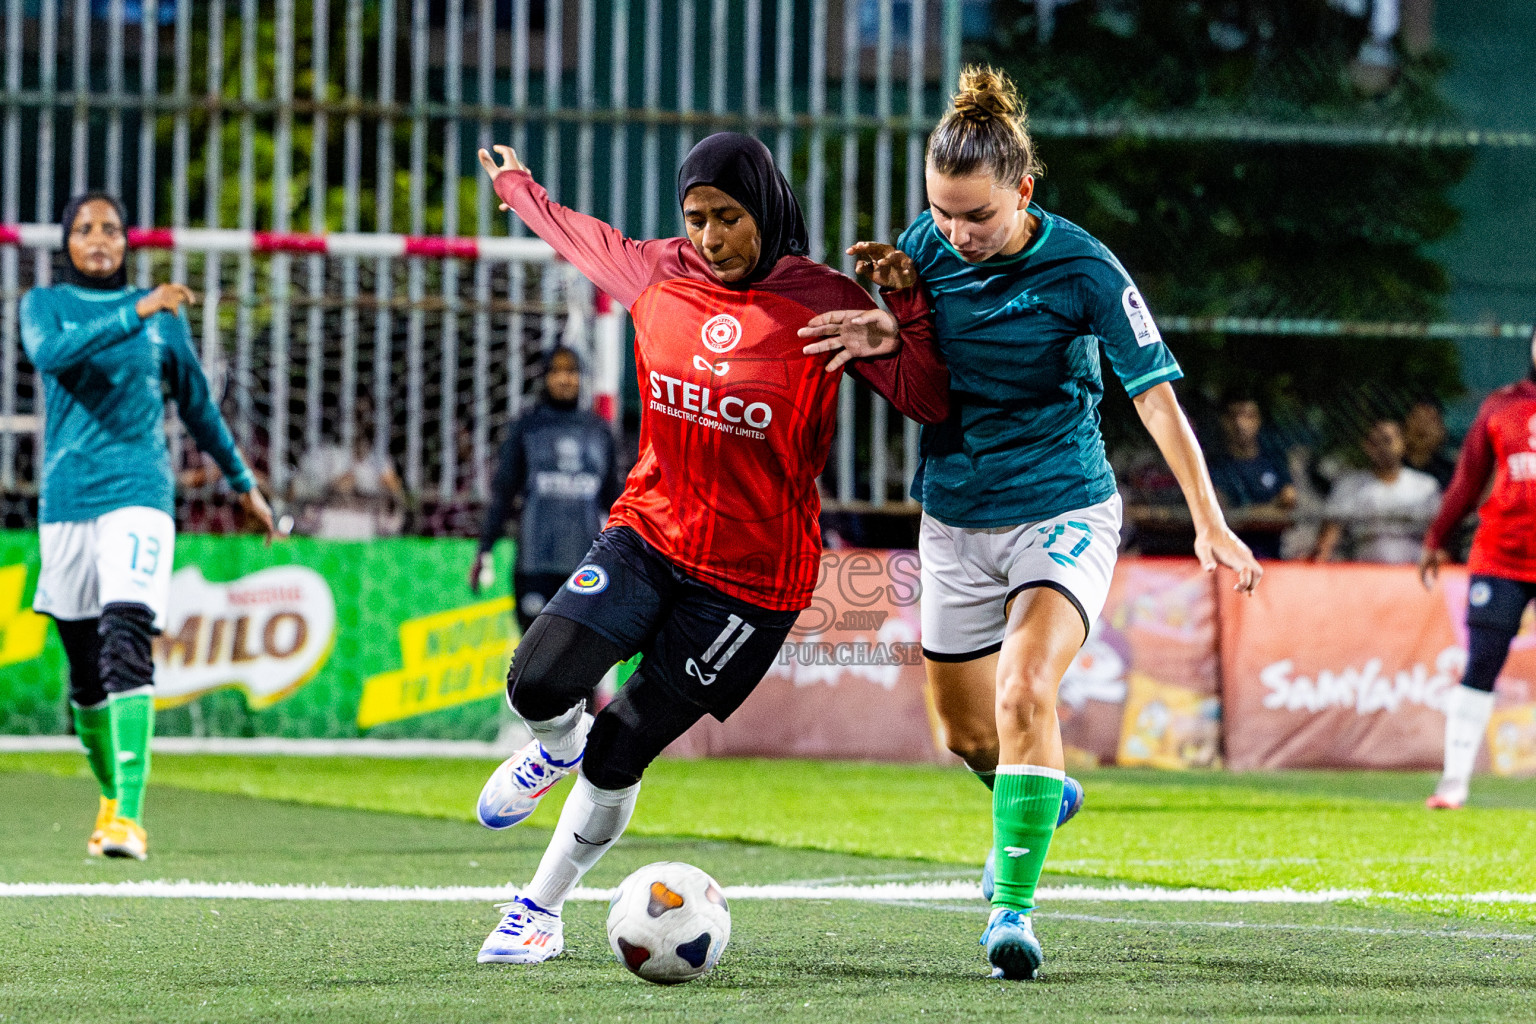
607, 358
226, 240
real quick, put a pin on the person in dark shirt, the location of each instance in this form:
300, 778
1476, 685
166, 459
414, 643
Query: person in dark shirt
560, 464
1424, 441
1252, 481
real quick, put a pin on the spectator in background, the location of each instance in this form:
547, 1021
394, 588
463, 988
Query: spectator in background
1424, 441
1252, 482
1381, 513
351, 494
559, 462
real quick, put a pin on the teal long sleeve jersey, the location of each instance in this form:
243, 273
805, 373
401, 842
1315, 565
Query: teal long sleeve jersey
1021, 336
106, 375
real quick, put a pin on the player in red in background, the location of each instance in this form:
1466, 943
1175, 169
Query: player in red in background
1501, 444
714, 547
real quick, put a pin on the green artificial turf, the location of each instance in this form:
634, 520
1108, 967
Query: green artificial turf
1312, 831
168, 960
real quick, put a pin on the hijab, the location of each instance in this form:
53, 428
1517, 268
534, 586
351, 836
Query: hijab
549, 361
742, 168
71, 274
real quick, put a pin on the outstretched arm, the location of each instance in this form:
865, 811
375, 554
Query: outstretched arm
914, 379
617, 265
195, 406
896, 353
1215, 543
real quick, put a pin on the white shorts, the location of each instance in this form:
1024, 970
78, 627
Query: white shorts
88, 564
970, 575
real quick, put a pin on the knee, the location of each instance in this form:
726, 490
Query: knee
82, 646
127, 632
1026, 697
609, 762
532, 691
973, 741
556, 666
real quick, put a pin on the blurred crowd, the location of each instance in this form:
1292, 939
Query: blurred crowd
1365, 493
1368, 499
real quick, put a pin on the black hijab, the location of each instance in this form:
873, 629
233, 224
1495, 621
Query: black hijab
71, 274
742, 168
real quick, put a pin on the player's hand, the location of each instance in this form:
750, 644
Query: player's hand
509, 162
1220, 546
167, 297
852, 334
883, 264
479, 570
1429, 566
256, 507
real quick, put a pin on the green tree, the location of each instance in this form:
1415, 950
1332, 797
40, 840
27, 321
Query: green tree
1246, 228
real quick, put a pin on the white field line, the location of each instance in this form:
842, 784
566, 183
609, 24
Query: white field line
1266, 926
1449, 933
274, 745
866, 893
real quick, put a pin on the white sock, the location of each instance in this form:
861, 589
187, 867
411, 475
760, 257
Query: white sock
591, 820
1467, 711
565, 737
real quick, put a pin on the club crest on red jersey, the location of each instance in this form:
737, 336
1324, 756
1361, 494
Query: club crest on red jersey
721, 333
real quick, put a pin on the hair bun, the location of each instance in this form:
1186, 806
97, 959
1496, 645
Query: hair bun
985, 93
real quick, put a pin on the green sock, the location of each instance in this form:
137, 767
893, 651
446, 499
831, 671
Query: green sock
988, 779
133, 723
1024, 808
94, 727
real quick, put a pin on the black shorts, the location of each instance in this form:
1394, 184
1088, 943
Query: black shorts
1497, 602
708, 648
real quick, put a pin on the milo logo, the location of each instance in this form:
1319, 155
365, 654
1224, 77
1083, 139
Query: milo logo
265, 634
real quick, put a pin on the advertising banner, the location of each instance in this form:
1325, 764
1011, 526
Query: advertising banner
303, 639
850, 682
1349, 667
1335, 666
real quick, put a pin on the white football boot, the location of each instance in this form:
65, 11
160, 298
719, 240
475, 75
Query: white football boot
528, 934
514, 789
1449, 795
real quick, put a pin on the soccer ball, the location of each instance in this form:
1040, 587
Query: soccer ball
668, 923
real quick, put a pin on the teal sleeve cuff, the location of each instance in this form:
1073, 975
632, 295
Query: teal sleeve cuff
243, 482
1151, 380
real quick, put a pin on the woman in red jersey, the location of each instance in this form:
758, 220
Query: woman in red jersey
1501, 444
714, 547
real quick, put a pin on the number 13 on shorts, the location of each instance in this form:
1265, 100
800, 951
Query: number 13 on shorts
135, 547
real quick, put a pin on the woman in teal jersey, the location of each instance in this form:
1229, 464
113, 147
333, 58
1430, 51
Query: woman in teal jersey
108, 354
1021, 520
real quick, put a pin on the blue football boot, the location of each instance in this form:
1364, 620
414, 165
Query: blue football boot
1012, 948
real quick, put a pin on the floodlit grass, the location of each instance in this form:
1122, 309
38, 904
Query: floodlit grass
1305, 830
131, 960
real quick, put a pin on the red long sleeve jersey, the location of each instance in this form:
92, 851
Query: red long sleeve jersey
1501, 443
735, 421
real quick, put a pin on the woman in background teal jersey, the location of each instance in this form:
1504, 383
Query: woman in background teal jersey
108, 355
1021, 519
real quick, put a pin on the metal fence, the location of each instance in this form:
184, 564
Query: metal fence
354, 117
359, 117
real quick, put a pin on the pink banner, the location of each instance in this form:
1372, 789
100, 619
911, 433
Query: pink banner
1348, 666
850, 682
1337, 666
